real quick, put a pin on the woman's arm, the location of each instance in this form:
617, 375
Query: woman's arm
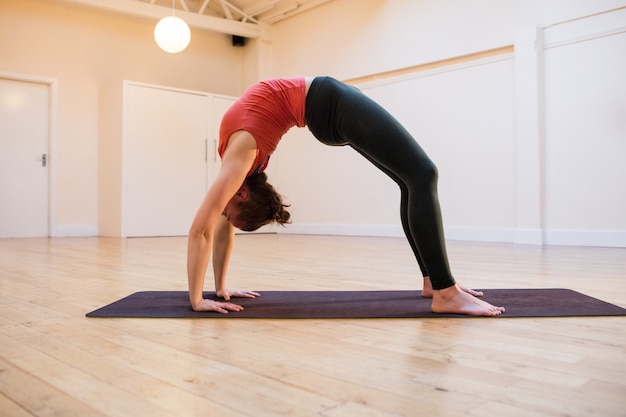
236, 163
224, 239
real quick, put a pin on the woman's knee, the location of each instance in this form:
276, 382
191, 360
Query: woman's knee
426, 175
432, 172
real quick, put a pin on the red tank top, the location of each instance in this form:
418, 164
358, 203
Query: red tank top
267, 110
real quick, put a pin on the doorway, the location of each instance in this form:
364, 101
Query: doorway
25, 116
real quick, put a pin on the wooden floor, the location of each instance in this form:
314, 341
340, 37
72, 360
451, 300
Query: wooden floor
56, 362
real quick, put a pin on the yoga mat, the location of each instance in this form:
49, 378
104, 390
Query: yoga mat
552, 302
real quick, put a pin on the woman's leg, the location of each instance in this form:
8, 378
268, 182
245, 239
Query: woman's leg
346, 116
338, 114
404, 211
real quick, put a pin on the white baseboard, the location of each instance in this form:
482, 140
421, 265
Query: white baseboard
74, 230
600, 238
605, 238
479, 234
391, 230
528, 237
378, 230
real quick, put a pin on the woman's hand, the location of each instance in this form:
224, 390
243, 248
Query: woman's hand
220, 307
225, 307
227, 294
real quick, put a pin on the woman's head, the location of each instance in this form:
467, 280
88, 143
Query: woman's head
262, 205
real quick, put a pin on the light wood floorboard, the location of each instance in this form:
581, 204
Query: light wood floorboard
56, 362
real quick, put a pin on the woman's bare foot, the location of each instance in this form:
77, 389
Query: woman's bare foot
454, 300
427, 290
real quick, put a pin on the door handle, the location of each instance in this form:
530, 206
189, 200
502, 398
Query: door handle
44, 160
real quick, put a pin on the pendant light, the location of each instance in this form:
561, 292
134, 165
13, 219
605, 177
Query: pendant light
172, 33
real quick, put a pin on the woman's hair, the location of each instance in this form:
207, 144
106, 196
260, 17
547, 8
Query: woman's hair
263, 206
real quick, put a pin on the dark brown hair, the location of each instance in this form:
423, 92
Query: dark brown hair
263, 206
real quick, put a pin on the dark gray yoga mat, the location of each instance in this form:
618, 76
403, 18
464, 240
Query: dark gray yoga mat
547, 302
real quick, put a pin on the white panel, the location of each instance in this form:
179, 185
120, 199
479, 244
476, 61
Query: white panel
164, 174
588, 28
586, 138
530, 135
24, 122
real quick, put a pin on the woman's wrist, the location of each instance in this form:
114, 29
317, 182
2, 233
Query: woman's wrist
196, 301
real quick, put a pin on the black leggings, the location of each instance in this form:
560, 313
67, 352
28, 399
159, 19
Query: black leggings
337, 115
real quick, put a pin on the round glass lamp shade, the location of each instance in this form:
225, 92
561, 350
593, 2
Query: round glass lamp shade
172, 34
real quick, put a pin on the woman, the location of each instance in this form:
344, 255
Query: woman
337, 115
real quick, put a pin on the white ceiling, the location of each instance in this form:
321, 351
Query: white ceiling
252, 11
235, 17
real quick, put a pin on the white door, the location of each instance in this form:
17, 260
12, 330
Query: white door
165, 160
24, 126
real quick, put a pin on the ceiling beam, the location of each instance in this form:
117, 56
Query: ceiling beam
139, 8
291, 10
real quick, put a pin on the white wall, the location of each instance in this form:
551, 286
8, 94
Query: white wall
465, 116
354, 38
585, 146
83, 48
522, 157
497, 127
